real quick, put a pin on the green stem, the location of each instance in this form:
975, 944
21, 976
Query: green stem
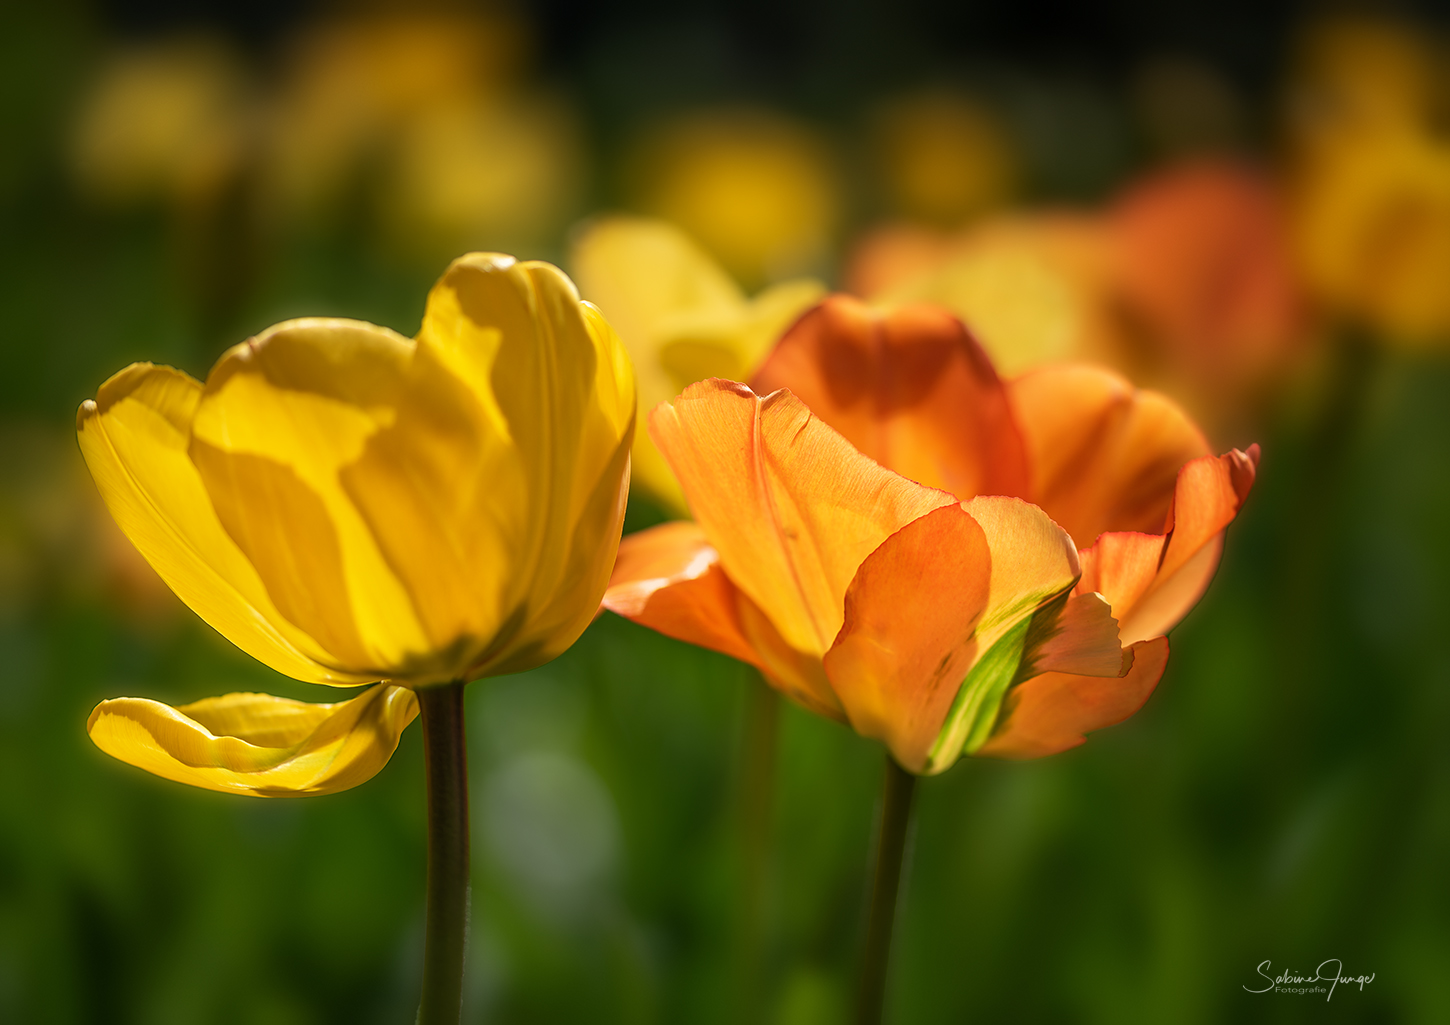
446, 759
896, 793
757, 792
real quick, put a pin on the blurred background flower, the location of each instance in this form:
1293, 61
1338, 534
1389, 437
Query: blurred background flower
1123, 185
758, 190
165, 122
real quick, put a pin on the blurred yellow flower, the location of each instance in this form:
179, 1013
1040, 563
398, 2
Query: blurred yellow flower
357, 86
1371, 175
681, 316
757, 190
504, 171
168, 121
942, 158
349, 505
1032, 288
1356, 76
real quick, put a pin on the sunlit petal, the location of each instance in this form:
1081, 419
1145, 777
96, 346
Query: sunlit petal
792, 508
1051, 712
1104, 455
135, 437
910, 388
257, 744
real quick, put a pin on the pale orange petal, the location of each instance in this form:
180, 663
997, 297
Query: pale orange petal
909, 387
1209, 494
1051, 712
792, 508
669, 579
909, 639
1104, 455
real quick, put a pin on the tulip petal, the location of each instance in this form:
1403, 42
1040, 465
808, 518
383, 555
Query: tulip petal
556, 383
669, 579
257, 744
791, 506
1153, 580
283, 416
135, 437
909, 635
1033, 567
910, 388
1104, 455
681, 316
1051, 712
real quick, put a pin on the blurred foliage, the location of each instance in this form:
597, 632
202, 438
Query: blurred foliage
1286, 795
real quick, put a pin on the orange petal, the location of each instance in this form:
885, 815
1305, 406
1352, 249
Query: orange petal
1209, 494
908, 640
792, 508
1104, 455
1051, 712
669, 579
910, 388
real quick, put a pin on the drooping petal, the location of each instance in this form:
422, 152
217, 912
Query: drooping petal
792, 508
1153, 580
1104, 455
909, 387
1051, 712
135, 437
257, 744
669, 579
909, 636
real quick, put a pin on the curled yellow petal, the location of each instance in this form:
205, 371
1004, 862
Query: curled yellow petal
135, 436
257, 744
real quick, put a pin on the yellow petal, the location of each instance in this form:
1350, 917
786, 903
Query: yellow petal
283, 417
257, 744
555, 379
681, 317
791, 506
134, 437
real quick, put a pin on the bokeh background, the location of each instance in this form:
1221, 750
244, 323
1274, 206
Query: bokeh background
175, 177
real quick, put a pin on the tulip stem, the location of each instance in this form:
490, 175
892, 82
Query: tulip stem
897, 789
445, 759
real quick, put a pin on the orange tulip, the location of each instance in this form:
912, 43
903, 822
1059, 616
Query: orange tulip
1205, 265
939, 626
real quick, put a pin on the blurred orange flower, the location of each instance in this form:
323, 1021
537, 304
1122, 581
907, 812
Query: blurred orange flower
1186, 279
1206, 269
873, 598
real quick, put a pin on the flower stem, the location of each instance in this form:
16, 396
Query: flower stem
896, 793
446, 760
757, 798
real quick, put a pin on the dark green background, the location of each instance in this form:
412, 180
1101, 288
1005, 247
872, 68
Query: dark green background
1284, 796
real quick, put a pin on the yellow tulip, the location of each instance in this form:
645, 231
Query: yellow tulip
682, 318
758, 190
352, 506
166, 121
